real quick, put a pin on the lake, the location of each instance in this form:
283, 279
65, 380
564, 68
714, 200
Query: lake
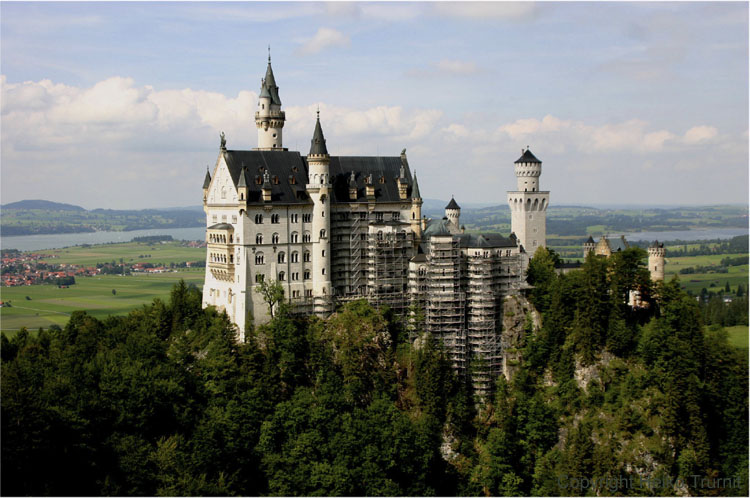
57, 240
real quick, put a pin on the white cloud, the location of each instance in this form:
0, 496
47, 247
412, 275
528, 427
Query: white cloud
456, 66
699, 134
324, 38
487, 10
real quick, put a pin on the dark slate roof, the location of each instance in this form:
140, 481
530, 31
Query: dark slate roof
269, 82
207, 180
528, 157
278, 163
242, 182
618, 244
221, 226
318, 142
591, 240
341, 168
437, 227
452, 204
485, 240
419, 258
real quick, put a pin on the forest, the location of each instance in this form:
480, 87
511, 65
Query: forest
608, 400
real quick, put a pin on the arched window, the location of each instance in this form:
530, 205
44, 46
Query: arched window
259, 238
295, 237
282, 257
274, 218
323, 233
306, 237
258, 219
295, 257
231, 258
282, 276
258, 277
307, 256
259, 260
275, 238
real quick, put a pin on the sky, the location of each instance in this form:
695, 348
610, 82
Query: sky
120, 105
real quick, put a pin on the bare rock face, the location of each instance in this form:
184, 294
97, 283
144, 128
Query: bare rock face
518, 315
585, 374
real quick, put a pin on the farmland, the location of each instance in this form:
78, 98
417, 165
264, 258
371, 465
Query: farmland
50, 305
129, 252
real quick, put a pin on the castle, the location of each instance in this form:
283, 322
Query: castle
332, 229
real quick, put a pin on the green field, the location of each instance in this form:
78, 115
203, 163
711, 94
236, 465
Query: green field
738, 336
51, 305
167, 252
696, 281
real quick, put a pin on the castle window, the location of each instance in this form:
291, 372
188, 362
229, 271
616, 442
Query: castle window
259, 238
242, 196
274, 218
323, 271
275, 238
295, 236
295, 294
231, 258
292, 180
362, 216
382, 179
308, 292
258, 219
274, 135
306, 237
378, 216
323, 233
307, 275
323, 253
307, 257
295, 257
396, 216
295, 276
275, 178
259, 260
258, 180
306, 218
294, 218
282, 257
258, 277
282, 276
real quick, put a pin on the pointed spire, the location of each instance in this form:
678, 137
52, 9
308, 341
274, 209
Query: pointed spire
452, 204
242, 182
207, 180
318, 142
268, 86
415, 189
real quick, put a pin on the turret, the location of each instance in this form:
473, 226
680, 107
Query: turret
528, 169
318, 187
269, 118
588, 246
656, 254
453, 213
403, 184
206, 185
242, 188
416, 209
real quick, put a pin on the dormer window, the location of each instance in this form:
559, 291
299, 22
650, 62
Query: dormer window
382, 179
275, 180
258, 180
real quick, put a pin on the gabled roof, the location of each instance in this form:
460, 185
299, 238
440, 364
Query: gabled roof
452, 204
528, 157
437, 227
318, 142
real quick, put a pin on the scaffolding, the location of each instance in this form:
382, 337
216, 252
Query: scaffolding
389, 253
445, 302
484, 320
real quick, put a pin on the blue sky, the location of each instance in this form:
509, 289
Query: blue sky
120, 104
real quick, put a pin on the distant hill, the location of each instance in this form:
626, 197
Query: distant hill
41, 204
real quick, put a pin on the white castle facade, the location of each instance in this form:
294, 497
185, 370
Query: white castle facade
332, 229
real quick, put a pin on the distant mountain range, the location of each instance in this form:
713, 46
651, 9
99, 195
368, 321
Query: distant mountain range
30, 217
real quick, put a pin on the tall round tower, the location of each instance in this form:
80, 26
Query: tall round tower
528, 205
319, 189
656, 254
269, 118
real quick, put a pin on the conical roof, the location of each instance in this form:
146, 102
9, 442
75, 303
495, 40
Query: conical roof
452, 204
591, 240
268, 87
528, 157
415, 190
318, 142
207, 180
242, 182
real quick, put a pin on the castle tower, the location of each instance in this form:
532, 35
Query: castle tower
319, 189
656, 254
416, 209
528, 205
269, 118
453, 213
588, 246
